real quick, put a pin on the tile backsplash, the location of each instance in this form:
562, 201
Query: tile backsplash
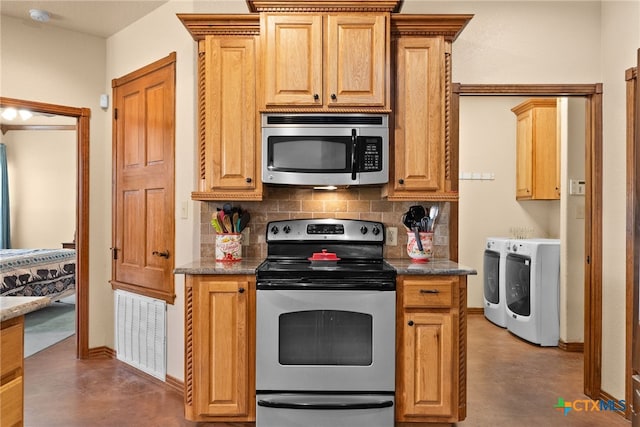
297, 203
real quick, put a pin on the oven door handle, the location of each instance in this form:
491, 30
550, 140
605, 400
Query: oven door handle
312, 402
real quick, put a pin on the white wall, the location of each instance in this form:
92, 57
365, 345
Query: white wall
47, 64
42, 186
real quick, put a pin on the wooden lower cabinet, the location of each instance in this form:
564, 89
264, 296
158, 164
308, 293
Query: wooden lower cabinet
431, 349
219, 350
430, 345
11, 372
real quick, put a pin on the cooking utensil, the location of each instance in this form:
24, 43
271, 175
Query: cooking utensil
416, 233
244, 220
407, 221
221, 222
234, 222
417, 212
433, 214
216, 225
227, 223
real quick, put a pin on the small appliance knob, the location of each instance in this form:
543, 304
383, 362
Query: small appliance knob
364, 229
515, 248
286, 229
274, 230
375, 231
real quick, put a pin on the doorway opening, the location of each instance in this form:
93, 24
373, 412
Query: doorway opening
82, 116
592, 93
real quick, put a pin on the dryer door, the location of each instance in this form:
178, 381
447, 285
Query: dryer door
518, 284
491, 276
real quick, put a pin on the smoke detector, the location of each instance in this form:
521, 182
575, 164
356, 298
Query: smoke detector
39, 15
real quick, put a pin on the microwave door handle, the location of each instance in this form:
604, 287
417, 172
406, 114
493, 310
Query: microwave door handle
354, 148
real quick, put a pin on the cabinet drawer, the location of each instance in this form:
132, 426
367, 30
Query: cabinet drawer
427, 293
11, 406
11, 345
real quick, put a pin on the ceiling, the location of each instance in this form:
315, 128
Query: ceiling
95, 17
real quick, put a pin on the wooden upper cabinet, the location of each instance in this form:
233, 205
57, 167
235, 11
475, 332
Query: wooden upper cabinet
293, 59
419, 116
424, 151
537, 150
230, 155
326, 61
228, 119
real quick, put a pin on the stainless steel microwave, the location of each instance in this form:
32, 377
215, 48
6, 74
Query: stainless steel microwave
325, 149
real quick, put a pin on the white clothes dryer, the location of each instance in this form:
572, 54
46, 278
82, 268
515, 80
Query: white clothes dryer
532, 284
495, 255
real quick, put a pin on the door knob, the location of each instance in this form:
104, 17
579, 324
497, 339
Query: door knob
164, 254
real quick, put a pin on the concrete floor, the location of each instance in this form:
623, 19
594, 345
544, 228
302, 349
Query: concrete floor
510, 383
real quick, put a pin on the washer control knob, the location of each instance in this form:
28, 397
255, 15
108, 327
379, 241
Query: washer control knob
274, 230
364, 229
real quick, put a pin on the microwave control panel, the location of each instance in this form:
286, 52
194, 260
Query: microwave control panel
370, 154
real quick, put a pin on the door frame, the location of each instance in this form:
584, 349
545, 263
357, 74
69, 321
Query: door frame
82, 116
592, 93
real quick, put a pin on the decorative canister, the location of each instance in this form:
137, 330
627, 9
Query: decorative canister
413, 250
228, 247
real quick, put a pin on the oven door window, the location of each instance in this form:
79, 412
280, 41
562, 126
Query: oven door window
324, 154
325, 337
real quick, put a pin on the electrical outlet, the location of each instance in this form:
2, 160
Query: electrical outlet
391, 238
246, 234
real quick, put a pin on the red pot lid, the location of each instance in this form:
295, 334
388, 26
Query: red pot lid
324, 256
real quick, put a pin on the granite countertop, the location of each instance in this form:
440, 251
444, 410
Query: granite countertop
442, 267
211, 266
11, 307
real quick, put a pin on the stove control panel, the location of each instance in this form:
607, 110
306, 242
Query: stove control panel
325, 229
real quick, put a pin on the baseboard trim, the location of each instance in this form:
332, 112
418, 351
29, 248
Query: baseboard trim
175, 384
572, 347
103, 352
607, 397
475, 310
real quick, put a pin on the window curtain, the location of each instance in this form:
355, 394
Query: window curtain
5, 224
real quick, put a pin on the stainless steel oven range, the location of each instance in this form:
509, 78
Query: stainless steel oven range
325, 326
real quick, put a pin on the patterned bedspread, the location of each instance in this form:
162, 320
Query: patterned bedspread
37, 272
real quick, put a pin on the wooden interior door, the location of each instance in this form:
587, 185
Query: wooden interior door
143, 173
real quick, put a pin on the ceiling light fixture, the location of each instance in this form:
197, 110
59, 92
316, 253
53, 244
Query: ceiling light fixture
25, 114
39, 15
9, 113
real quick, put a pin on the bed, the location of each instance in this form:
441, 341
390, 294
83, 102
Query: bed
38, 272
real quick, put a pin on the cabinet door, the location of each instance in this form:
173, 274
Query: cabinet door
230, 112
293, 59
221, 347
524, 155
428, 364
356, 60
419, 117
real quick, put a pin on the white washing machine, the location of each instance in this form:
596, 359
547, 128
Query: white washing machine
495, 256
532, 284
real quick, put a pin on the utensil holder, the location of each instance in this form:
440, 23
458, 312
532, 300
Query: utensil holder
228, 247
416, 254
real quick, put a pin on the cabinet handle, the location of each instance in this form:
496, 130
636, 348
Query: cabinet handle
410, 323
316, 96
333, 96
248, 180
429, 291
241, 290
401, 181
